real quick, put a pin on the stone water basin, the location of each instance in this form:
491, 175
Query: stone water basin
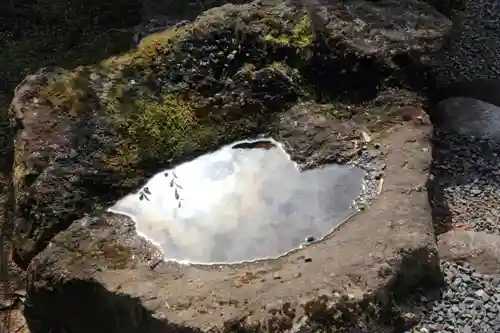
244, 202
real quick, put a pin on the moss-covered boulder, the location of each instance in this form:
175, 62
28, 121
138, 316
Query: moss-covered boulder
87, 136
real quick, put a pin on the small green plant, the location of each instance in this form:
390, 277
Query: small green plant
302, 33
300, 37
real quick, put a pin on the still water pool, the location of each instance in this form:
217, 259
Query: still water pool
243, 202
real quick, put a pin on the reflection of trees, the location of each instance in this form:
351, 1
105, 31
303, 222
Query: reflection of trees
145, 192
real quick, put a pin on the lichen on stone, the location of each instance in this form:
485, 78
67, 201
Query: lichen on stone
116, 256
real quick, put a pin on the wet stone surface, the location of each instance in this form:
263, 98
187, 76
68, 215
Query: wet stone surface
244, 202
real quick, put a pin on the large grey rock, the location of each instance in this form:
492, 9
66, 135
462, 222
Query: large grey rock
240, 65
468, 117
246, 67
100, 268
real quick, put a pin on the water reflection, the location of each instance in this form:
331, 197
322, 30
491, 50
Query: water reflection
243, 202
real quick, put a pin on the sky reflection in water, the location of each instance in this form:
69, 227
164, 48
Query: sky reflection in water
241, 204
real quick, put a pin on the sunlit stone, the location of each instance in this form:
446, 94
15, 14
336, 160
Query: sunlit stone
244, 202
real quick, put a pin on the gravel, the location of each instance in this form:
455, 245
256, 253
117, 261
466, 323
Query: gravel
476, 205
374, 168
465, 181
467, 174
469, 303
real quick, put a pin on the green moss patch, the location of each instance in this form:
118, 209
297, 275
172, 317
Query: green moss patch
148, 54
156, 130
299, 37
156, 126
69, 93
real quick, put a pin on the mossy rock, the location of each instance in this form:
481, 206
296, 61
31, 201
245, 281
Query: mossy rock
91, 135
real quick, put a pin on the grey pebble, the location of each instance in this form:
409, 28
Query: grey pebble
468, 303
468, 176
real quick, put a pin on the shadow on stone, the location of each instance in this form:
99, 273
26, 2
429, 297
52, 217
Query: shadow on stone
482, 90
439, 208
428, 277
109, 312
87, 306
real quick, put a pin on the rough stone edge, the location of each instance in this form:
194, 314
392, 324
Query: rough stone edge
480, 249
378, 308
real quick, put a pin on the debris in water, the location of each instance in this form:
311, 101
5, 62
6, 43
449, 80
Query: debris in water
263, 144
